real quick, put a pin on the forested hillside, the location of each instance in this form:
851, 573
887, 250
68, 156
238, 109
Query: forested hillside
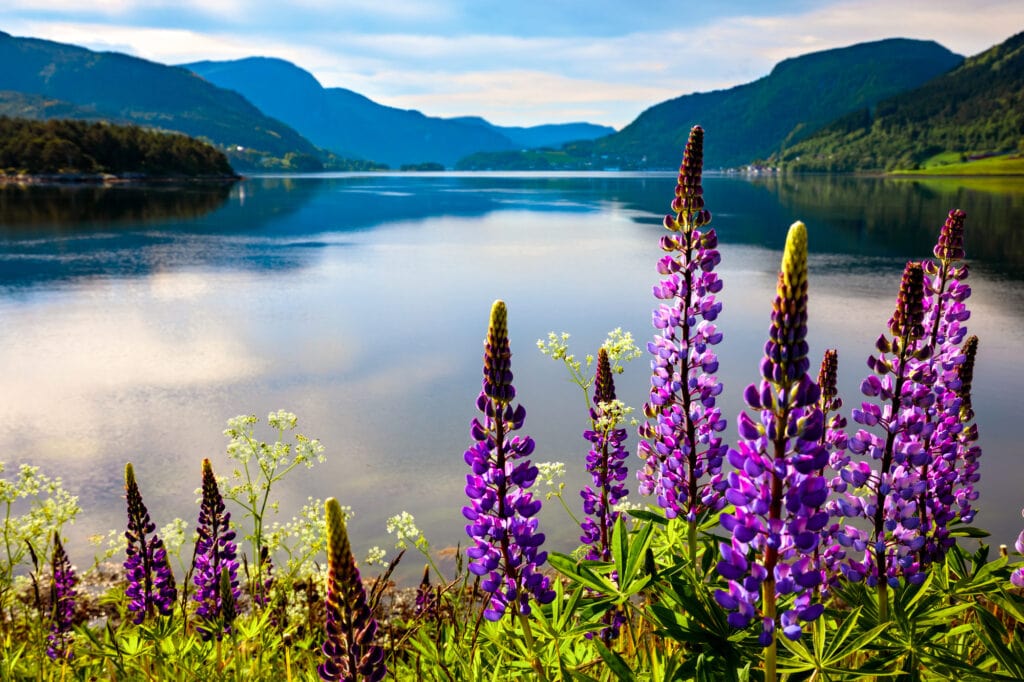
974, 111
82, 147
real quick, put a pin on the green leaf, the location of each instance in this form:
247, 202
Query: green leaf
615, 662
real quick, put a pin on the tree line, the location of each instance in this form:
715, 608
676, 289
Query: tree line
84, 147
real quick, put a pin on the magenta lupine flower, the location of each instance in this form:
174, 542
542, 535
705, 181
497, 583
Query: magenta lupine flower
349, 651
214, 559
889, 496
62, 603
776, 488
427, 598
502, 513
681, 446
151, 587
968, 451
606, 463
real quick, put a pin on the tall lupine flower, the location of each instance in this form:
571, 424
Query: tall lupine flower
62, 602
350, 628
151, 587
501, 511
889, 496
828, 554
777, 488
945, 313
215, 559
681, 448
606, 463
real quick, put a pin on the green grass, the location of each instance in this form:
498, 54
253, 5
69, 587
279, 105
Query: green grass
1010, 164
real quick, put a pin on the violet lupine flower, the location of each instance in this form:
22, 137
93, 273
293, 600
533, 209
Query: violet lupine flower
62, 601
151, 587
681, 447
776, 487
968, 451
502, 513
427, 601
945, 314
888, 498
606, 463
215, 558
350, 628
1017, 577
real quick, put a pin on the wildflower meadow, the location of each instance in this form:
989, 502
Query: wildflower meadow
798, 540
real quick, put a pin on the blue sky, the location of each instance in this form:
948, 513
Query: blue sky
515, 62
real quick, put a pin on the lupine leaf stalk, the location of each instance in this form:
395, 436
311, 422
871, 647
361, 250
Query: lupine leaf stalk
776, 488
62, 602
349, 650
888, 497
681, 446
215, 557
606, 463
151, 588
502, 513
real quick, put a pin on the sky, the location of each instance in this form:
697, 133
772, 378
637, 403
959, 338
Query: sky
514, 62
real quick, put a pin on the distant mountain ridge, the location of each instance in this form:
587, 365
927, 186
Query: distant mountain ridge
353, 125
750, 121
974, 110
44, 79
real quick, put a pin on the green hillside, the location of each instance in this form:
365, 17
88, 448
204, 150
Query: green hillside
80, 147
975, 111
751, 121
44, 79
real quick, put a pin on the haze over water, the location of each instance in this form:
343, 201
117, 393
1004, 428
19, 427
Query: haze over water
134, 322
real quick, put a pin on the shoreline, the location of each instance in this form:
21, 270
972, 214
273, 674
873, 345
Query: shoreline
107, 179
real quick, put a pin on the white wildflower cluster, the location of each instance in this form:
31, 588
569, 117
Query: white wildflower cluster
403, 527
621, 348
619, 344
613, 415
49, 507
376, 556
550, 475
302, 539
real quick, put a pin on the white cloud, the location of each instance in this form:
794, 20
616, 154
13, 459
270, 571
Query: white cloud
522, 79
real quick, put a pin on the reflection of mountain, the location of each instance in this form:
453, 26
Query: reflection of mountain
62, 208
902, 217
58, 234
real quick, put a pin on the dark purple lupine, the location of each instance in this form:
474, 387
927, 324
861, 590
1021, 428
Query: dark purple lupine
151, 587
776, 488
62, 603
427, 601
502, 513
968, 451
214, 558
606, 464
889, 496
829, 554
681, 446
349, 651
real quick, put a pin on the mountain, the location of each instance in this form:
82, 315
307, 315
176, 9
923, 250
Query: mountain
43, 79
353, 125
548, 135
975, 110
751, 121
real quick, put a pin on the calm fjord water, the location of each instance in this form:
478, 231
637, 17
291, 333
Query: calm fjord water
134, 322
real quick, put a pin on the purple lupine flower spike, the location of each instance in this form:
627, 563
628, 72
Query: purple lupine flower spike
967, 452
151, 588
681, 448
502, 513
215, 558
777, 489
349, 651
606, 463
62, 600
829, 553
